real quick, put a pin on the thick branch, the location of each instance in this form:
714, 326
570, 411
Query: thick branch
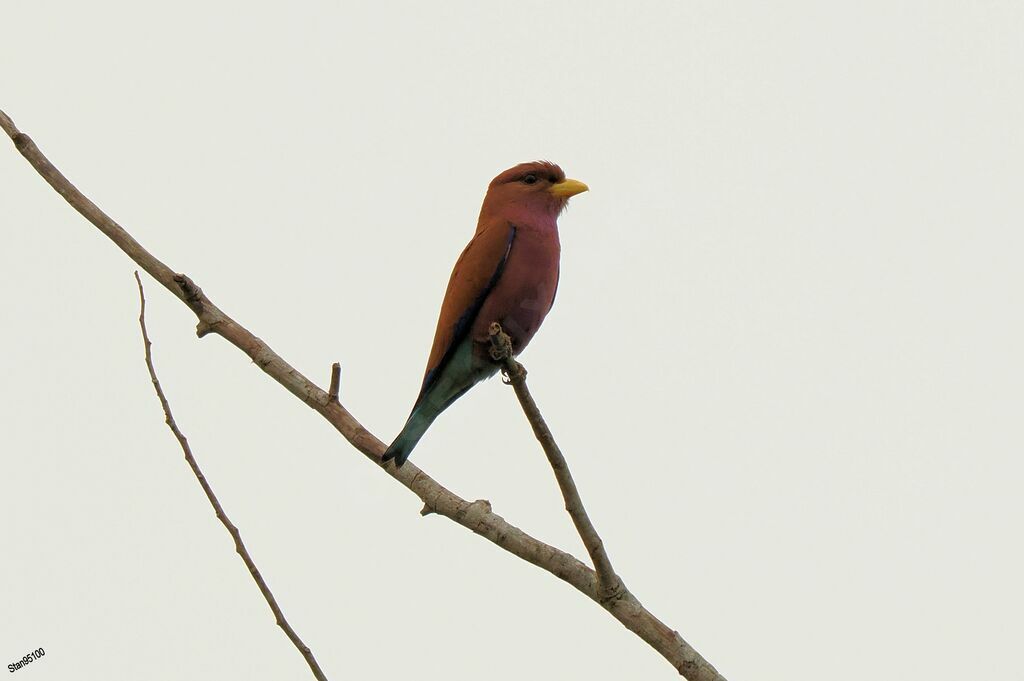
221, 515
476, 516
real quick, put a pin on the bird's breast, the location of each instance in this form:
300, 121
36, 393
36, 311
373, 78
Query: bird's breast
526, 290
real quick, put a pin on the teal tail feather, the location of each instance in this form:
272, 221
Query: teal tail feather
458, 375
403, 445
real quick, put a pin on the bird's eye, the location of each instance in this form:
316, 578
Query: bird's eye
530, 179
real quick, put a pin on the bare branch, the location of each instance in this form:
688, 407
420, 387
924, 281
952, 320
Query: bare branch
501, 350
476, 516
221, 515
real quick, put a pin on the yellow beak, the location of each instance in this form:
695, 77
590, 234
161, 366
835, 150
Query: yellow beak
567, 188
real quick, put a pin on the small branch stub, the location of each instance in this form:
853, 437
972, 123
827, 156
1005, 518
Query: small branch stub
194, 298
332, 393
193, 294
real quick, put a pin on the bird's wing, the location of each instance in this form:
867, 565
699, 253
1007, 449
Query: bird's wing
477, 271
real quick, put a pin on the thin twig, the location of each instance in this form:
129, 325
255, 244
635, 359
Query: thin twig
221, 515
501, 350
475, 516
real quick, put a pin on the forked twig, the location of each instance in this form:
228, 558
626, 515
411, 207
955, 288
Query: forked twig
221, 515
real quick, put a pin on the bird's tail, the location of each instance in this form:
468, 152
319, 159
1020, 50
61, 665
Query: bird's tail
460, 374
414, 428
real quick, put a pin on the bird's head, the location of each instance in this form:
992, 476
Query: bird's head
529, 191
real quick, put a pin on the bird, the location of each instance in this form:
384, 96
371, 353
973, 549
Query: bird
508, 273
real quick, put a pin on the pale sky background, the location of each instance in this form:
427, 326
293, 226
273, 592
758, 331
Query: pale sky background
784, 363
